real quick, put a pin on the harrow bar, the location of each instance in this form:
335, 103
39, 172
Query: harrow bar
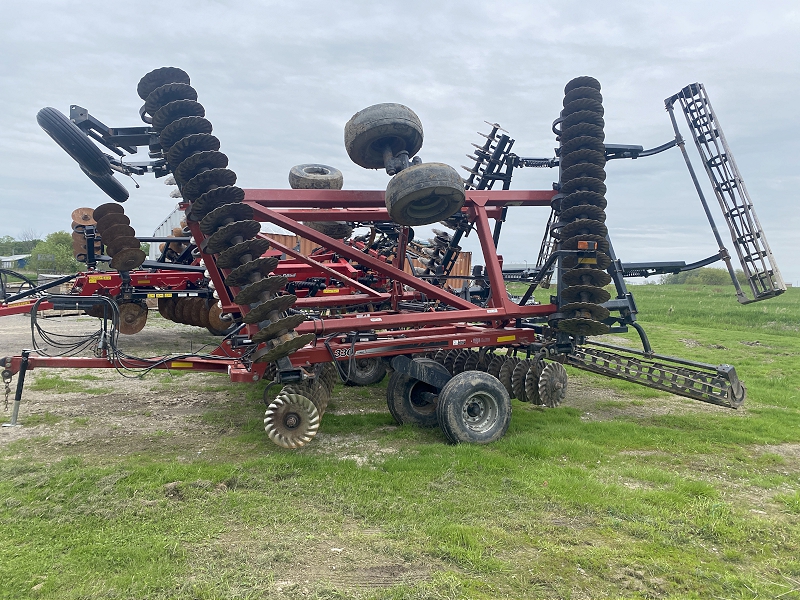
708, 383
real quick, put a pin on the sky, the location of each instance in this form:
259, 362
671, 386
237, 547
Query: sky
280, 79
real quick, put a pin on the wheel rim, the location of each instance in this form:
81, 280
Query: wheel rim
480, 412
420, 398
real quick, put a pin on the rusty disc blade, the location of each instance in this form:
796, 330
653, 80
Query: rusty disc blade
83, 216
215, 198
166, 308
583, 327
205, 181
222, 215
238, 254
132, 317
180, 305
225, 235
78, 227
585, 310
277, 328
284, 348
242, 275
115, 245
110, 220
118, 231
262, 311
251, 293
106, 209
128, 259
203, 316
584, 276
593, 294
198, 309
215, 321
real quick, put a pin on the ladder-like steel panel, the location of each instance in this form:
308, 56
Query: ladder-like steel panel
747, 235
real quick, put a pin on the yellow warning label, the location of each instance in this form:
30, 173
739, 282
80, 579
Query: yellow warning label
180, 365
143, 281
331, 291
96, 278
151, 295
506, 338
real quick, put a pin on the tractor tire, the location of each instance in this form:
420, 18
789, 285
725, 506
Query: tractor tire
73, 141
363, 371
368, 132
474, 408
408, 398
425, 193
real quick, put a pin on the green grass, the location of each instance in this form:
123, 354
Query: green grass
691, 504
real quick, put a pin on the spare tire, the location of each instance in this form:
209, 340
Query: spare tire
315, 177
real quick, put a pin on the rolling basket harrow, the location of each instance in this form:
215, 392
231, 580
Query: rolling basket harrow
357, 306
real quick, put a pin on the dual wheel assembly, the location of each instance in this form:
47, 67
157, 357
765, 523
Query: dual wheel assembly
388, 136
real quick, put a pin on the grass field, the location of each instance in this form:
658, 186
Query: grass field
624, 492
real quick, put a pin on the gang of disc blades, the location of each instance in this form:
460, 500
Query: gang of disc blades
594, 294
128, 259
217, 217
202, 182
582, 327
198, 163
277, 328
251, 293
596, 277
186, 146
231, 257
215, 198
284, 348
118, 231
596, 311
110, 220
262, 311
572, 243
240, 276
222, 238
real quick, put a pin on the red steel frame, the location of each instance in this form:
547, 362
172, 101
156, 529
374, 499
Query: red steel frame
465, 325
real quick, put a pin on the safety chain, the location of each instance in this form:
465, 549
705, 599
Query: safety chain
7, 381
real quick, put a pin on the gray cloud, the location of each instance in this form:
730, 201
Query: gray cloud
279, 80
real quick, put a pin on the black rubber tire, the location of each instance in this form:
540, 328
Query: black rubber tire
363, 371
403, 397
108, 183
369, 130
474, 408
424, 194
315, 177
73, 141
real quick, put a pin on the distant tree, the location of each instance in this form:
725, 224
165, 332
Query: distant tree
145, 248
703, 276
53, 255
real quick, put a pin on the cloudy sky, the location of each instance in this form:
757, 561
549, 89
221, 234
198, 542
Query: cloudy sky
280, 79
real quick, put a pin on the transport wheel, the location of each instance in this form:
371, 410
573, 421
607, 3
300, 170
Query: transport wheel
425, 193
369, 131
73, 141
411, 400
363, 371
338, 230
553, 384
473, 407
109, 184
291, 420
315, 177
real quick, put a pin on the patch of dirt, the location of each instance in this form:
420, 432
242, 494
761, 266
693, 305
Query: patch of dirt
604, 404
